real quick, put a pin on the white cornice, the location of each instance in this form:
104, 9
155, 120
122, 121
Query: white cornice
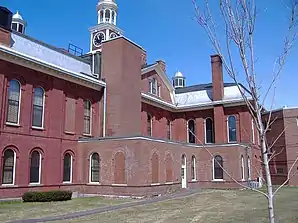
21, 59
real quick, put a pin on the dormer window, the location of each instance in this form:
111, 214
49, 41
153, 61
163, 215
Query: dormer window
154, 88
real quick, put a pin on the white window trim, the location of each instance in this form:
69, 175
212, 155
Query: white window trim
68, 182
39, 171
43, 108
242, 169
14, 170
90, 169
228, 129
249, 168
253, 130
193, 160
159, 90
170, 129
205, 129
91, 114
213, 171
185, 160
19, 109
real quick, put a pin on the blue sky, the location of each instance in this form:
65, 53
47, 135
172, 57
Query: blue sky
167, 30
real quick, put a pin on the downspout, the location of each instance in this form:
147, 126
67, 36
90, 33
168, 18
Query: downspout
104, 111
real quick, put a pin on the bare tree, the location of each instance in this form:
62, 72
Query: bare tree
238, 18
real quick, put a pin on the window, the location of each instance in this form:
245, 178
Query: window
193, 168
94, 168
67, 168
253, 131
155, 168
154, 86
191, 131
209, 131
248, 168
119, 174
113, 17
232, 137
101, 15
217, 168
20, 29
87, 117
108, 14
35, 168
149, 125
169, 129
158, 90
8, 171
242, 169
14, 99
38, 108
96, 64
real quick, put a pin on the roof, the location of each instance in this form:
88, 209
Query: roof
199, 87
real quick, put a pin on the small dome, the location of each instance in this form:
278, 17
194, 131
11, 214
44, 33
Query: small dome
178, 74
17, 16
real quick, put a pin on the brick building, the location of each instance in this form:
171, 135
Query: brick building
107, 122
282, 134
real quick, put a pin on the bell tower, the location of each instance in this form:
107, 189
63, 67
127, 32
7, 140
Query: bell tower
106, 29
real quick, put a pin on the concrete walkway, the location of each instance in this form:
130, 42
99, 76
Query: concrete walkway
110, 208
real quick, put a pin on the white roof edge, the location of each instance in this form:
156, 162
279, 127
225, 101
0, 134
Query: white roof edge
49, 65
281, 109
202, 105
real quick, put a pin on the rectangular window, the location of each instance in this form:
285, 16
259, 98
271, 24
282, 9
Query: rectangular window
14, 26
169, 129
87, 117
38, 108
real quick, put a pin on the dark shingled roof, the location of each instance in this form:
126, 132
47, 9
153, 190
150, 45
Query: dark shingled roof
199, 87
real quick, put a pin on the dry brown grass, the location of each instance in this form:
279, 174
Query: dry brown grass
210, 206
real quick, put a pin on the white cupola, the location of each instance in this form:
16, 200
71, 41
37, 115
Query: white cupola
18, 23
107, 11
178, 80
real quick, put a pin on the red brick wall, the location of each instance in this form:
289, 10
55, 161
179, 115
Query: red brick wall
5, 37
121, 69
51, 141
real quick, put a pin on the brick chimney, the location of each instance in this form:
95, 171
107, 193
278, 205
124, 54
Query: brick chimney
162, 65
5, 26
217, 78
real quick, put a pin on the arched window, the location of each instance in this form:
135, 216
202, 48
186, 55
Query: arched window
101, 15
94, 168
38, 108
193, 168
113, 17
149, 125
87, 117
108, 15
119, 174
191, 131
217, 168
8, 171
169, 129
209, 131
14, 101
155, 168
35, 167
242, 169
67, 168
232, 133
248, 168
169, 168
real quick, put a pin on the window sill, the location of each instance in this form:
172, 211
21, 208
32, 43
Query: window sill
194, 180
37, 128
119, 185
35, 184
67, 182
218, 180
12, 124
169, 183
94, 183
8, 185
69, 133
232, 142
155, 184
87, 135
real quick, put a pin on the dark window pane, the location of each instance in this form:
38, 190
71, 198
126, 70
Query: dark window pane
169, 129
232, 129
67, 168
191, 131
13, 102
87, 117
20, 28
14, 26
95, 167
149, 125
38, 107
193, 168
34, 168
8, 167
218, 164
209, 131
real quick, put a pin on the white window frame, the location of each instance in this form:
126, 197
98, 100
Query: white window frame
159, 90
68, 182
242, 169
194, 168
213, 170
39, 170
90, 169
228, 128
249, 168
205, 129
91, 112
19, 109
43, 109
14, 168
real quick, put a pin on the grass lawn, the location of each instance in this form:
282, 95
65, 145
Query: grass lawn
212, 206
17, 210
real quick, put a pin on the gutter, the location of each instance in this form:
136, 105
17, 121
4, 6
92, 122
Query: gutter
104, 111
